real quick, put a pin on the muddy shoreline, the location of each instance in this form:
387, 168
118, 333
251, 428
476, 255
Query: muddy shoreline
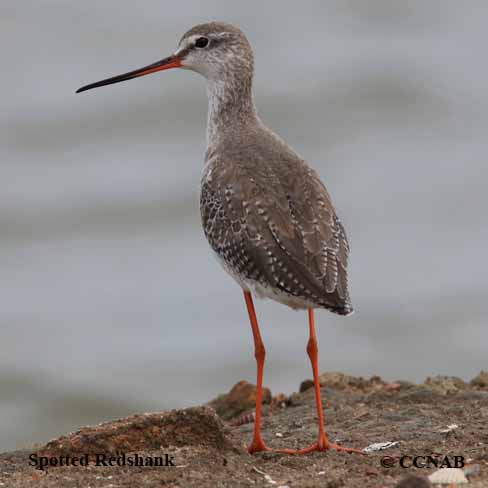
204, 446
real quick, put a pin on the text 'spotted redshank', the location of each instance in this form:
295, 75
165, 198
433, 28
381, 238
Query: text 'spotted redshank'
265, 212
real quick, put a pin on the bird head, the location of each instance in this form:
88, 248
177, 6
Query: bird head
216, 50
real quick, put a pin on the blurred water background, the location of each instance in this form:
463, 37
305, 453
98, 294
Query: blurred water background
110, 301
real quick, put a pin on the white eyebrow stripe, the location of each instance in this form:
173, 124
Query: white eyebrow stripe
186, 43
191, 40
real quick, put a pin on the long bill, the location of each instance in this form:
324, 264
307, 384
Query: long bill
166, 63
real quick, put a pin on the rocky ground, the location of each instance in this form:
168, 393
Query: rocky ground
442, 417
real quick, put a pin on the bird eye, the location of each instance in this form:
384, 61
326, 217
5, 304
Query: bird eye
201, 42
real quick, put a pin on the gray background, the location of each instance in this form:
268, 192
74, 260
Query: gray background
111, 302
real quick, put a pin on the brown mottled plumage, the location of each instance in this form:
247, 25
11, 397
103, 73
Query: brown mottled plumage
272, 222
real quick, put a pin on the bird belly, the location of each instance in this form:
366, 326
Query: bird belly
265, 290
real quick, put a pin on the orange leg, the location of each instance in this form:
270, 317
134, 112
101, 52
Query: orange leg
257, 443
322, 443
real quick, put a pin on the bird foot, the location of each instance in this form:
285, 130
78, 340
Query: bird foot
257, 445
321, 445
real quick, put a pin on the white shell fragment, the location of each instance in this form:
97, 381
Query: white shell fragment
449, 428
448, 476
380, 446
270, 480
267, 477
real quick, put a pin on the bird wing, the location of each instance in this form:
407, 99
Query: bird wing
276, 223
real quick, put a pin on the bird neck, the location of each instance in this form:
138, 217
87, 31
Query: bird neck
230, 107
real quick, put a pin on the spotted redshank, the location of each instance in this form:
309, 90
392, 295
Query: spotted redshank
265, 212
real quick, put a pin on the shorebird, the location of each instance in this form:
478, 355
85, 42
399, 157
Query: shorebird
266, 214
